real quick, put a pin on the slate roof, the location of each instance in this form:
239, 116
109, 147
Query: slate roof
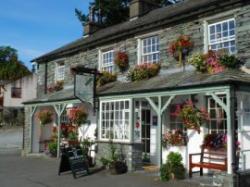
63, 95
156, 18
175, 81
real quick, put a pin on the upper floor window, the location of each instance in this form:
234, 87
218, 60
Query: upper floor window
150, 50
16, 92
60, 71
221, 35
107, 61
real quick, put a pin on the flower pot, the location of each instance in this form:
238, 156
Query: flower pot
117, 168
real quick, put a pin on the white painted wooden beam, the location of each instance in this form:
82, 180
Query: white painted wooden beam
167, 103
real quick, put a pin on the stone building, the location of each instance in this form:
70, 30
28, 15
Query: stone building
141, 110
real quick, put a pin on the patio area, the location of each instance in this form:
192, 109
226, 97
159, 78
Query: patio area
44, 173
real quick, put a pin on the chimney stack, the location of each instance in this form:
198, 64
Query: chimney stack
141, 7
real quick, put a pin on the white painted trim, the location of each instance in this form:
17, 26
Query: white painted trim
100, 121
149, 34
186, 91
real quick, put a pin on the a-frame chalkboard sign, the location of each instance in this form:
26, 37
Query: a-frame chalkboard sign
73, 159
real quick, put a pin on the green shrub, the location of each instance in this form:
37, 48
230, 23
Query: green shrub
230, 61
53, 148
173, 167
174, 158
165, 172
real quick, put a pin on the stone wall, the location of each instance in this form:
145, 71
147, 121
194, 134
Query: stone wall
131, 153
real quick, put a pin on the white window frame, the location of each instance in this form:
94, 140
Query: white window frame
141, 53
104, 66
216, 108
128, 130
60, 71
222, 40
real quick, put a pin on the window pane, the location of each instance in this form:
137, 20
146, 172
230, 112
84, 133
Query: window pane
221, 34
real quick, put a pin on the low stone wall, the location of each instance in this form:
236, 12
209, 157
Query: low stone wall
131, 153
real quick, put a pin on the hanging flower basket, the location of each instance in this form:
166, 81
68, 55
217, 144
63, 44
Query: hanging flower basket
180, 48
215, 141
121, 60
174, 138
45, 116
191, 116
77, 115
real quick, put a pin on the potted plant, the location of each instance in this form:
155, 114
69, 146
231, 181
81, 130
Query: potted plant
144, 71
174, 138
53, 148
121, 60
180, 48
77, 115
105, 78
86, 145
214, 62
45, 116
55, 87
173, 168
114, 163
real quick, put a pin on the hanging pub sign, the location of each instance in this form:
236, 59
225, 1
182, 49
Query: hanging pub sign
85, 84
72, 159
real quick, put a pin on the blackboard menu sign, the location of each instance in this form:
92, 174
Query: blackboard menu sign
72, 159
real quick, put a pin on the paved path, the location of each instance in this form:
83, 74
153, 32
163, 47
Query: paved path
11, 138
39, 172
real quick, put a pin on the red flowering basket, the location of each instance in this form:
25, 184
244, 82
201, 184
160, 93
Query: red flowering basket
181, 47
77, 115
121, 60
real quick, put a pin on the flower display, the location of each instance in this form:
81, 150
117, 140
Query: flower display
191, 116
121, 60
181, 47
55, 87
144, 71
174, 138
214, 62
45, 116
215, 141
105, 78
77, 115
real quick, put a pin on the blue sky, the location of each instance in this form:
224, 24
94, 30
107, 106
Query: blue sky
35, 27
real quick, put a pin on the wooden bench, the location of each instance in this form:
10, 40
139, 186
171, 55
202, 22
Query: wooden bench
216, 160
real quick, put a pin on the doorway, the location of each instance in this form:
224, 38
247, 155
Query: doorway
145, 134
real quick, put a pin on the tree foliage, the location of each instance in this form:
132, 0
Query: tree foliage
111, 12
10, 67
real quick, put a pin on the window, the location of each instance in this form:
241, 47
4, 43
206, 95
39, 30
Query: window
175, 121
218, 119
16, 92
60, 71
221, 35
150, 51
107, 61
115, 120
